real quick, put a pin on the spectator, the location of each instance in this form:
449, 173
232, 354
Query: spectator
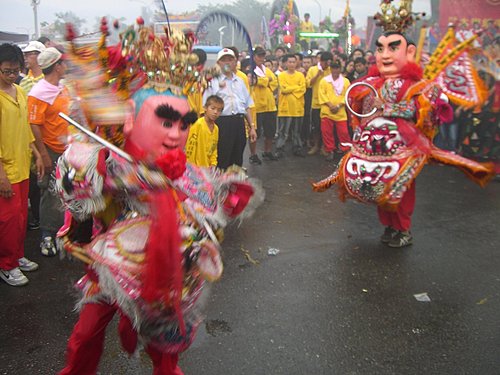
31, 52
314, 76
45, 41
292, 87
237, 101
46, 99
16, 141
349, 68
243, 72
360, 69
306, 26
195, 96
306, 120
331, 97
265, 105
201, 146
358, 52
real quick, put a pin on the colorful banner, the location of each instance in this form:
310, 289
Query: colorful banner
468, 12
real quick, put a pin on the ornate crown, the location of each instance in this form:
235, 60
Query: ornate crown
101, 78
392, 19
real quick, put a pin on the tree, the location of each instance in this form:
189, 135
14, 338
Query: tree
57, 29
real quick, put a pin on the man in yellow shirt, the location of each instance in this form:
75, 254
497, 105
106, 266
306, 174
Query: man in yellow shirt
201, 146
16, 146
314, 75
307, 27
292, 87
265, 105
331, 97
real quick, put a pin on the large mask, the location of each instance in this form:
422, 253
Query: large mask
161, 125
392, 53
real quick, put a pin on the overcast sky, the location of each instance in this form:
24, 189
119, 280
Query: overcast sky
17, 15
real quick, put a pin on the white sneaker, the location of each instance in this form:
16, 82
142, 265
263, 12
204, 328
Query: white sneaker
14, 277
47, 247
27, 265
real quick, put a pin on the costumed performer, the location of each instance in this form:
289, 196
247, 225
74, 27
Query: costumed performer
399, 114
146, 222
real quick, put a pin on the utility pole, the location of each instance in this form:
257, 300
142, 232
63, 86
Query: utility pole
34, 4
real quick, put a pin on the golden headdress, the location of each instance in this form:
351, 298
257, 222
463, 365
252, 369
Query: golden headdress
395, 19
102, 78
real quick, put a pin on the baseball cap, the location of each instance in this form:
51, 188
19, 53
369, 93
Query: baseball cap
259, 51
48, 57
34, 46
225, 52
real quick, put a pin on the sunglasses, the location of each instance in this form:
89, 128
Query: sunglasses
9, 72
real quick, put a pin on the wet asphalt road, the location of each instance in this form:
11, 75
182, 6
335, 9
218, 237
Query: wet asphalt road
332, 301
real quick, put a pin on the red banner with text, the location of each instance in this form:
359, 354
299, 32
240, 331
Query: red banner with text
468, 12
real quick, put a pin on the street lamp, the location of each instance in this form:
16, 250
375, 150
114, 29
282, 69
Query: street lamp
221, 33
34, 4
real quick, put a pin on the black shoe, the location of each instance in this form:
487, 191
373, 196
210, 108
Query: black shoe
269, 156
254, 159
388, 235
34, 225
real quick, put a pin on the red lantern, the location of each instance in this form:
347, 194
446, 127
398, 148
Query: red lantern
288, 39
356, 40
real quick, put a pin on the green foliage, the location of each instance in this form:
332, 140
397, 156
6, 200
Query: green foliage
57, 29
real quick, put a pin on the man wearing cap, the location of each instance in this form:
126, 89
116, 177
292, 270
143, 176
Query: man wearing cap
46, 99
31, 52
265, 105
237, 100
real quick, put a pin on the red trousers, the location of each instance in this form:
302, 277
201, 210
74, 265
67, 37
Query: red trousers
327, 126
86, 344
401, 218
13, 221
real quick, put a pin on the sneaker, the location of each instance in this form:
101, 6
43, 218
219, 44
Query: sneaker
14, 277
388, 235
401, 239
34, 225
47, 247
323, 152
254, 159
313, 151
27, 265
269, 156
